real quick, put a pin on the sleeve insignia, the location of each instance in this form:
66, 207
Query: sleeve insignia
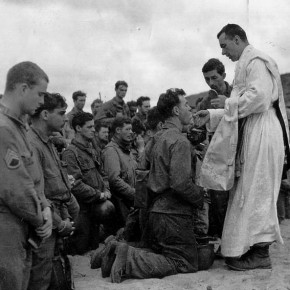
12, 160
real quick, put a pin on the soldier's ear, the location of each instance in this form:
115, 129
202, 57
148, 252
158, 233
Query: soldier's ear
224, 75
22, 88
175, 111
44, 114
78, 128
118, 130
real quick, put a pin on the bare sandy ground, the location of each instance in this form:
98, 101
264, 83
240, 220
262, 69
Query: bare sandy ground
218, 277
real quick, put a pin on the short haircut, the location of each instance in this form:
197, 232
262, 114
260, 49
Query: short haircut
80, 119
77, 94
120, 83
231, 30
100, 124
24, 72
119, 122
168, 100
141, 100
138, 127
132, 104
154, 117
96, 101
214, 64
51, 102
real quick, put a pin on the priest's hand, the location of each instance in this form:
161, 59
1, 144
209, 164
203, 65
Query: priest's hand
201, 118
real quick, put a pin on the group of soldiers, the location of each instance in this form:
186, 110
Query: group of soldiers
71, 180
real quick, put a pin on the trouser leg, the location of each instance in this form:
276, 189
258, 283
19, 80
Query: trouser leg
79, 242
15, 255
175, 251
40, 276
145, 264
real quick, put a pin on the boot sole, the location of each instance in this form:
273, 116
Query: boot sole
243, 269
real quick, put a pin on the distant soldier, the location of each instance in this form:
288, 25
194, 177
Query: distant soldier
96, 105
143, 104
79, 99
116, 107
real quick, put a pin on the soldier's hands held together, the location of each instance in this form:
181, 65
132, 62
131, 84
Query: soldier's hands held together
66, 228
45, 230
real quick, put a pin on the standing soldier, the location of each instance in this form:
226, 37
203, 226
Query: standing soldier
47, 119
21, 208
116, 107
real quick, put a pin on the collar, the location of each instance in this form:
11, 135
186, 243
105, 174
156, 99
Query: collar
142, 117
11, 115
117, 102
81, 146
172, 123
75, 111
44, 138
125, 146
99, 143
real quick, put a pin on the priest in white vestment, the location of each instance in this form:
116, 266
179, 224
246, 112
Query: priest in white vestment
251, 222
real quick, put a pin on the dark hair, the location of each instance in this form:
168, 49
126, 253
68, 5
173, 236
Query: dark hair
119, 122
99, 125
167, 101
214, 64
51, 102
231, 30
142, 99
138, 127
120, 83
96, 101
131, 104
80, 119
77, 94
154, 117
24, 72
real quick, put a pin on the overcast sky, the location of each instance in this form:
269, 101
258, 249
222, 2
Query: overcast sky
152, 44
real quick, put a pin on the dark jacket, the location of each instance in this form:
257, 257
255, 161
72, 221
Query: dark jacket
56, 183
83, 163
120, 166
109, 110
170, 176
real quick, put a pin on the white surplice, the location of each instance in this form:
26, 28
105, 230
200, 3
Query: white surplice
252, 215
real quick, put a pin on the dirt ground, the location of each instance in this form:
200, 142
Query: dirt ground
218, 277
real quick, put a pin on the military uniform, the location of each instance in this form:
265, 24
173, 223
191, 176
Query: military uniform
109, 110
20, 205
84, 164
57, 191
173, 198
120, 166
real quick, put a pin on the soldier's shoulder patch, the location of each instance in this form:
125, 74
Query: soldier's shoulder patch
12, 159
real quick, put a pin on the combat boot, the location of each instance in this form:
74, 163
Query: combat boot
257, 258
119, 266
97, 256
